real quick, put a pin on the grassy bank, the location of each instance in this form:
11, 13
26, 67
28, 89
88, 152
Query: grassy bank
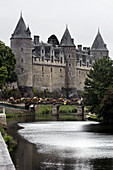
45, 112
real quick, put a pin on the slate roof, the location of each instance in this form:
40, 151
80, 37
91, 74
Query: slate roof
98, 43
66, 39
47, 47
21, 31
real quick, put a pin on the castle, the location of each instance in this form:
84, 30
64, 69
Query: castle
53, 65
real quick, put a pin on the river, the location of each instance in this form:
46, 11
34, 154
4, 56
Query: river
62, 145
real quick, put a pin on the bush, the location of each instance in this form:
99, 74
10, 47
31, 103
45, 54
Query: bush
10, 142
7, 93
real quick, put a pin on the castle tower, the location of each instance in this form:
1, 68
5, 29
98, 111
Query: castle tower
99, 49
69, 50
21, 44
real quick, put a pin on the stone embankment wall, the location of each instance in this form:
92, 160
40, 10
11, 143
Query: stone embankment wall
5, 159
15, 112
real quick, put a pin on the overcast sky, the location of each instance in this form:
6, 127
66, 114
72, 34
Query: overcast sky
47, 17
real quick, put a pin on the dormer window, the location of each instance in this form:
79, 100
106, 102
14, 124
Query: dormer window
42, 58
61, 59
52, 59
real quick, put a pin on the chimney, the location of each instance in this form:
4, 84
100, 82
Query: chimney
105, 45
72, 40
36, 40
80, 47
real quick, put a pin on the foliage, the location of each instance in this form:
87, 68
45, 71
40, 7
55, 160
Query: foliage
3, 76
7, 65
10, 142
2, 131
106, 106
44, 109
99, 79
68, 109
46, 93
7, 93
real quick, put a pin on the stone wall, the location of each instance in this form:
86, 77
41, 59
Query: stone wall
22, 48
81, 74
49, 77
3, 120
16, 112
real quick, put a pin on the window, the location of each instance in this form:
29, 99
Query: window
61, 59
60, 71
80, 63
42, 58
87, 64
42, 51
69, 56
70, 74
42, 70
21, 60
22, 70
21, 48
52, 59
51, 70
35, 58
79, 73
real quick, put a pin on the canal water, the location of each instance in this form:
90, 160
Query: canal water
62, 145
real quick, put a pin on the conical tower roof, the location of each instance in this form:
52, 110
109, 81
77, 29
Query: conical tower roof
21, 31
98, 43
66, 39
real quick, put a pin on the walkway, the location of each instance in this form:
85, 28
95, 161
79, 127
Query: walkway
5, 159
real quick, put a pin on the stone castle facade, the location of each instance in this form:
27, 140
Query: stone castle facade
53, 65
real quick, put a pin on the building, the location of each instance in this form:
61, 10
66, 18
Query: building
53, 65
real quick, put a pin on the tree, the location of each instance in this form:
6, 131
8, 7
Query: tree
106, 106
7, 65
97, 83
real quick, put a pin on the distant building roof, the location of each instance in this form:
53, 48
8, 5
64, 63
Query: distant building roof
98, 43
21, 31
66, 39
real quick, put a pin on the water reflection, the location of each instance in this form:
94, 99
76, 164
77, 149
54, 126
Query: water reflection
67, 145
62, 145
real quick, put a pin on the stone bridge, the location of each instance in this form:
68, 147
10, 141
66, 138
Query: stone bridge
56, 106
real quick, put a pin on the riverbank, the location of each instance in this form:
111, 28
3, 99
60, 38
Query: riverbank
5, 159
